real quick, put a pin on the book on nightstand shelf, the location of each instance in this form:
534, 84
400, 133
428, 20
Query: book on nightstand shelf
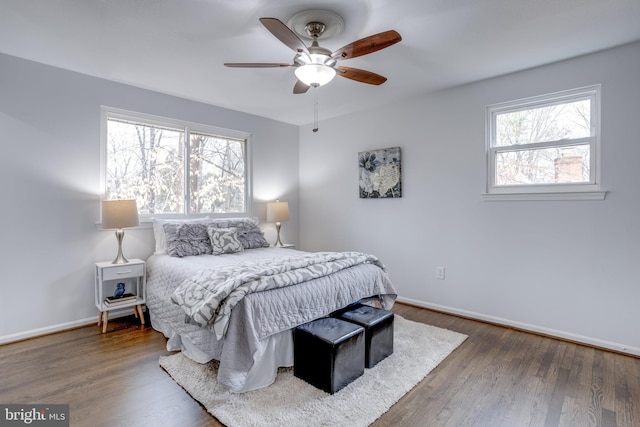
111, 301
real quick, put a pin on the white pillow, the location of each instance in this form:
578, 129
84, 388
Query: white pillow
158, 230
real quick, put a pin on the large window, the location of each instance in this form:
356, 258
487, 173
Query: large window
547, 144
173, 167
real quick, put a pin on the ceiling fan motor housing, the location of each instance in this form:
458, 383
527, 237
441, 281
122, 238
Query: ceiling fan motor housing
317, 68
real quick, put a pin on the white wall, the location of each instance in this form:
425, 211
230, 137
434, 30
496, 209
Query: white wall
562, 267
50, 179
573, 276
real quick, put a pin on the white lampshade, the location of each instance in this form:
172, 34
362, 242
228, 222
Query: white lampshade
119, 214
277, 211
315, 74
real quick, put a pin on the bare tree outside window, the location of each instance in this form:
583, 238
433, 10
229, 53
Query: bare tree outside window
543, 165
147, 162
545, 144
216, 174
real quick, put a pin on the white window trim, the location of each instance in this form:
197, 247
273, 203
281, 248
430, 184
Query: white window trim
578, 191
117, 113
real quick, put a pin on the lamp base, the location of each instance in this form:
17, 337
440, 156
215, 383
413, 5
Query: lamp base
120, 259
278, 242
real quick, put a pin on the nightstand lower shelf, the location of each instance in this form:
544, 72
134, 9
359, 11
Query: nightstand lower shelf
103, 316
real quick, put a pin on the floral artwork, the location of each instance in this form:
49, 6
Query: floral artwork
380, 173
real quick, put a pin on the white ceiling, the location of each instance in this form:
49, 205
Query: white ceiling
179, 46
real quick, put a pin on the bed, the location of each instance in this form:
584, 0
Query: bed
257, 337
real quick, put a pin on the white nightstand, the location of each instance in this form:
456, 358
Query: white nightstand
107, 277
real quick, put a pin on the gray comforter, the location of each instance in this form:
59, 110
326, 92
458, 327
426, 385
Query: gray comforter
209, 296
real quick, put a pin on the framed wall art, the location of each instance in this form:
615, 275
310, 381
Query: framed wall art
380, 173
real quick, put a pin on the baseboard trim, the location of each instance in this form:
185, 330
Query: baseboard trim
566, 336
33, 333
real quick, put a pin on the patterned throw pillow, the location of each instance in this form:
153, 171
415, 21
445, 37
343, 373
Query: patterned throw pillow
252, 239
248, 230
160, 236
224, 240
187, 239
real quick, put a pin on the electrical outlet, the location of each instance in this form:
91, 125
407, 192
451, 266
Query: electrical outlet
440, 273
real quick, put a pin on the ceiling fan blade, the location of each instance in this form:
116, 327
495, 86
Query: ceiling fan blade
284, 34
368, 45
300, 87
255, 64
362, 76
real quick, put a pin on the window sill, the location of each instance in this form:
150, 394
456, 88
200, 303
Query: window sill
570, 195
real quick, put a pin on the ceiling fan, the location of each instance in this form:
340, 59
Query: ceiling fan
317, 66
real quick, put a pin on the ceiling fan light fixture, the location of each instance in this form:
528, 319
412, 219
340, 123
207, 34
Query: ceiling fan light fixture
315, 74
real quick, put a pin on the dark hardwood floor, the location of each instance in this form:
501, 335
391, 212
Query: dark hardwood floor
497, 377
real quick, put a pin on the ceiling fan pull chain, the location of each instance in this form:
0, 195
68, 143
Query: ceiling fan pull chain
315, 108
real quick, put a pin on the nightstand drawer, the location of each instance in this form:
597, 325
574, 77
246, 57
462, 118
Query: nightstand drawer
122, 271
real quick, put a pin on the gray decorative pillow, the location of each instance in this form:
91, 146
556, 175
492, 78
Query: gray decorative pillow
224, 240
158, 230
252, 239
249, 232
187, 239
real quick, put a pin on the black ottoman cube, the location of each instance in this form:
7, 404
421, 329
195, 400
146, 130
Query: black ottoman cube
328, 353
378, 327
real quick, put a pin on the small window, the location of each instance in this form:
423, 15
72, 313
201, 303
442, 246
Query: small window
545, 145
173, 167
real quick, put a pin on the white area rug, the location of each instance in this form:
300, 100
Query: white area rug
418, 348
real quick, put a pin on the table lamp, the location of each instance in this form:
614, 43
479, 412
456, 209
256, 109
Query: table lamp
119, 214
277, 212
